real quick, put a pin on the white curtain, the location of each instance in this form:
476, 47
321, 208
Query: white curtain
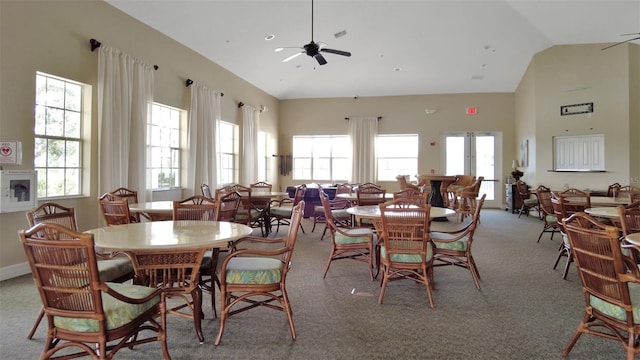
363, 132
250, 128
125, 94
204, 114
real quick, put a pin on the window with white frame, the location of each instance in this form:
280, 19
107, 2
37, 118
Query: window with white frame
228, 153
322, 158
396, 155
163, 144
60, 119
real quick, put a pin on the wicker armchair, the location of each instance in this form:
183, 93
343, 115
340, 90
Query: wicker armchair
462, 181
132, 198
196, 207
84, 313
280, 210
528, 203
550, 224
407, 250
112, 268
337, 204
561, 212
613, 190
467, 198
115, 209
454, 247
258, 277
418, 197
610, 284
347, 242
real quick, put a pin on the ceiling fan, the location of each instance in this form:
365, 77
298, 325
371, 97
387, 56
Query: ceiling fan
622, 42
314, 49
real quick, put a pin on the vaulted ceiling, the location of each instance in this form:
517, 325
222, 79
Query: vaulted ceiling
401, 47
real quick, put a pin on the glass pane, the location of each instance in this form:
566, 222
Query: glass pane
302, 146
485, 157
40, 155
455, 154
72, 184
321, 169
41, 90
42, 182
341, 169
56, 153
55, 93
55, 182
72, 124
41, 120
73, 154
55, 122
73, 97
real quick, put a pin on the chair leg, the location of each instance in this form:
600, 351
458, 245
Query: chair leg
567, 265
35, 325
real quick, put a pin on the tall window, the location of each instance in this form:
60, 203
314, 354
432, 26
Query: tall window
228, 156
396, 155
163, 143
325, 158
59, 120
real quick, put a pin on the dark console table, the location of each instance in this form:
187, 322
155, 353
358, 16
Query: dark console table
312, 197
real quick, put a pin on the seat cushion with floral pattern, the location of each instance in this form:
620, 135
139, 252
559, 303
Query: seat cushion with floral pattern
458, 245
407, 258
117, 313
254, 270
616, 311
356, 236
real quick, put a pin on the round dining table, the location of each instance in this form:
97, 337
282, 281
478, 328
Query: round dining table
153, 210
608, 212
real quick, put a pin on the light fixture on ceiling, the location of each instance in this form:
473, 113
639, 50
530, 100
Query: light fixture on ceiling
269, 37
430, 111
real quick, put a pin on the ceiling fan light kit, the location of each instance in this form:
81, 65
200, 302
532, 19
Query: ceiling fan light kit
314, 49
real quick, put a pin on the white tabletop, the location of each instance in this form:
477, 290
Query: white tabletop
353, 196
152, 206
168, 235
603, 211
373, 211
609, 201
633, 239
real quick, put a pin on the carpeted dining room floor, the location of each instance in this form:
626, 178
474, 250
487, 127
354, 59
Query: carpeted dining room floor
525, 310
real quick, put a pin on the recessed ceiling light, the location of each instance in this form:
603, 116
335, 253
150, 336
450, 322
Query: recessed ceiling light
396, 69
278, 49
269, 37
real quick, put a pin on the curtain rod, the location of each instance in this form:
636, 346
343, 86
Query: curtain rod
379, 118
262, 107
96, 44
189, 82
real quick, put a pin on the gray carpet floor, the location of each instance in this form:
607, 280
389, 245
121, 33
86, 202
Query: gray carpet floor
525, 310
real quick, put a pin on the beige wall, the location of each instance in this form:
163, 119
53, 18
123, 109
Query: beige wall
53, 37
402, 115
574, 74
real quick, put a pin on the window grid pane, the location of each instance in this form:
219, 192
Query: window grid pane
57, 130
228, 152
396, 155
323, 157
163, 143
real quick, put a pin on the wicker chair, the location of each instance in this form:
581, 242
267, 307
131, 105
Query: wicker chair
613, 190
629, 222
574, 200
560, 211
454, 247
627, 191
132, 198
111, 268
82, 311
551, 224
196, 207
337, 204
462, 181
528, 203
256, 277
347, 242
280, 210
369, 194
418, 197
609, 283
254, 210
115, 209
467, 199
407, 250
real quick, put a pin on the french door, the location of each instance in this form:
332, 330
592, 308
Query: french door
478, 154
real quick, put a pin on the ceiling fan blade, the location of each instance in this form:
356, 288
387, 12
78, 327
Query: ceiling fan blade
321, 59
338, 52
293, 56
621, 42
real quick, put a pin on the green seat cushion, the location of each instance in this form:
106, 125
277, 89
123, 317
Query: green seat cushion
551, 219
254, 270
531, 202
242, 217
616, 311
356, 236
458, 245
340, 213
117, 313
281, 211
112, 269
407, 258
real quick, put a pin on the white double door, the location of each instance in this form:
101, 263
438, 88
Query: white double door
478, 154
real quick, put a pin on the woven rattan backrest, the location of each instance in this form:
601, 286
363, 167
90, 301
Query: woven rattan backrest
405, 227
195, 207
63, 264
227, 206
326, 206
625, 191
596, 250
523, 189
613, 189
260, 186
370, 194
629, 218
574, 200
299, 195
344, 189
292, 234
53, 213
634, 196
115, 209
544, 197
130, 195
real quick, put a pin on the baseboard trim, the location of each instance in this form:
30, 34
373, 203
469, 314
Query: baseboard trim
12, 271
